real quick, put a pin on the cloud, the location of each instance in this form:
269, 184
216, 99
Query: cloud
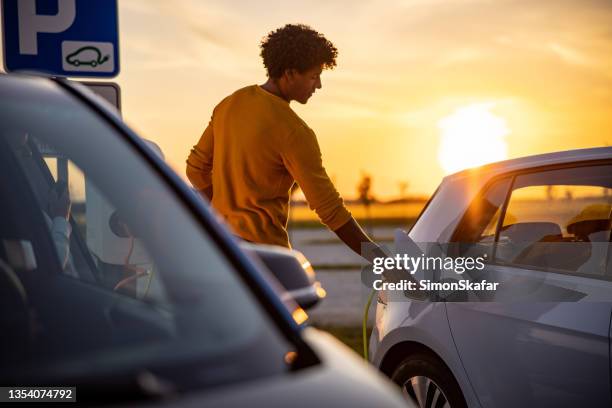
460, 55
403, 65
569, 55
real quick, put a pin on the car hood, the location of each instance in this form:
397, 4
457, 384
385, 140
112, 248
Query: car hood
341, 379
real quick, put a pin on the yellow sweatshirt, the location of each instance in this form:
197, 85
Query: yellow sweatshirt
253, 150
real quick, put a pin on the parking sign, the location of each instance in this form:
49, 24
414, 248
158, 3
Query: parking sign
78, 38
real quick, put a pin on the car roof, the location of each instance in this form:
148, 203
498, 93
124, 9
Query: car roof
539, 160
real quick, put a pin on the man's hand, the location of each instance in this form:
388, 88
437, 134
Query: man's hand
353, 236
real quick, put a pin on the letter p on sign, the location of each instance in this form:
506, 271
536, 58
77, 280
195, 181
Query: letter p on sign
30, 23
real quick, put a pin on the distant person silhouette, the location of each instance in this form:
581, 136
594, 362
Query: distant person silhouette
256, 147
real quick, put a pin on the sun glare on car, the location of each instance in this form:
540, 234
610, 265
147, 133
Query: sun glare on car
471, 136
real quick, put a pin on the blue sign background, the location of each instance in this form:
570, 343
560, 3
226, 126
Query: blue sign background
96, 20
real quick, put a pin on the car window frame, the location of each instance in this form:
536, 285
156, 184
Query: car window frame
513, 175
422, 212
486, 188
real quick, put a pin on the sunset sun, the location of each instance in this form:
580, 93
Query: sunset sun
471, 136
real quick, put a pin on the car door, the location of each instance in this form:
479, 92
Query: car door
543, 338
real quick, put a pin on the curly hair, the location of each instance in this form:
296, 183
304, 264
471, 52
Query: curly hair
296, 46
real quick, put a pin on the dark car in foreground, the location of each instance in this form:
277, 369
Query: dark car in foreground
117, 280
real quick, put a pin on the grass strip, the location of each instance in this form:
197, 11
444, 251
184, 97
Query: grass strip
351, 336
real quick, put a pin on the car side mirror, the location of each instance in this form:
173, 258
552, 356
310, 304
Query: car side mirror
292, 270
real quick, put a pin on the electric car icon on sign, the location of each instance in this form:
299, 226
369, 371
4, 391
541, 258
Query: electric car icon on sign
86, 56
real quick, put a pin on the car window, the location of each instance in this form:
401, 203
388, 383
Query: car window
439, 220
118, 259
475, 235
559, 220
130, 280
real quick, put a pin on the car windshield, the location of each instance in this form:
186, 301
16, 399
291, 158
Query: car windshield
104, 270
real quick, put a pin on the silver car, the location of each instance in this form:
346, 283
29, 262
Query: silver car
543, 338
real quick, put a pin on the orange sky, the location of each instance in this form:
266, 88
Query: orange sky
545, 69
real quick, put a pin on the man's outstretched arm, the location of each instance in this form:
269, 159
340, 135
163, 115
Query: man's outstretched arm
302, 158
353, 236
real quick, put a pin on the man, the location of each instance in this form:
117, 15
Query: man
255, 146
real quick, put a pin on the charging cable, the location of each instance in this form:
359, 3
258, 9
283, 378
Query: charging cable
364, 324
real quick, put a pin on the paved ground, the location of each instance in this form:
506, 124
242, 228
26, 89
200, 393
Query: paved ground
346, 295
346, 298
322, 247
